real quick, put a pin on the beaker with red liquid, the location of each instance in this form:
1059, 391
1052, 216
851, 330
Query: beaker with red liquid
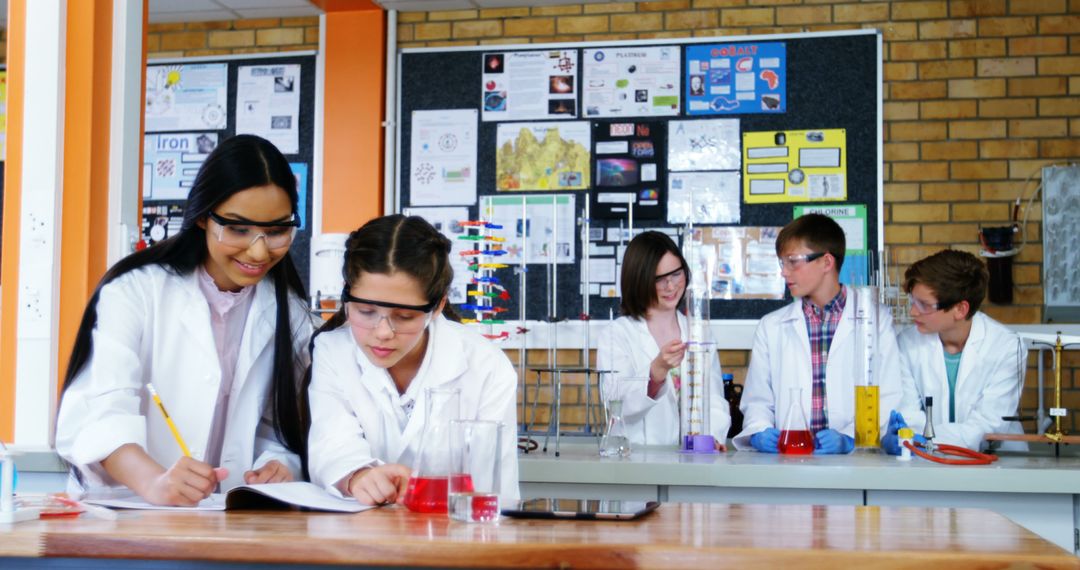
429, 484
795, 436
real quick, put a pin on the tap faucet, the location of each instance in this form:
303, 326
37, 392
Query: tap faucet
928, 427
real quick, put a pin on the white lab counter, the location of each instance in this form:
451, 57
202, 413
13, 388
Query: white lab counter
1040, 493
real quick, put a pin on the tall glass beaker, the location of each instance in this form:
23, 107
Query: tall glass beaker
428, 485
867, 414
795, 436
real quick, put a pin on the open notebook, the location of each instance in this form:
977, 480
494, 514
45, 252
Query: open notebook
249, 497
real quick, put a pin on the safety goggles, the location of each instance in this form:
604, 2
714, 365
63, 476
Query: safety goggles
922, 308
404, 319
793, 262
244, 233
671, 278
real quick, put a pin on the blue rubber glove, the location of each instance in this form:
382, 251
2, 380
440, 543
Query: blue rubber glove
832, 442
890, 442
766, 440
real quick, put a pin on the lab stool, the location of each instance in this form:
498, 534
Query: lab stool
554, 423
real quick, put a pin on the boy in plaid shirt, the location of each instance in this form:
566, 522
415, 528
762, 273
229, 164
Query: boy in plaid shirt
810, 345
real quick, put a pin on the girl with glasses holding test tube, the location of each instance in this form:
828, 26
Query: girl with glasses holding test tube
216, 318
374, 359
650, 340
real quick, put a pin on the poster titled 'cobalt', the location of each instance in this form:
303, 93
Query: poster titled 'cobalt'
730, 79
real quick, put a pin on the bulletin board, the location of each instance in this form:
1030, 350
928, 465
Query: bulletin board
796, 115
195, 103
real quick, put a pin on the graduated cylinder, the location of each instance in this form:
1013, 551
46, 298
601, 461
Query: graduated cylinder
867, 413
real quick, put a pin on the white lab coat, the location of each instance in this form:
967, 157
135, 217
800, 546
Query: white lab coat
781, 360
629, 348
988, 383
154, 326
354, 424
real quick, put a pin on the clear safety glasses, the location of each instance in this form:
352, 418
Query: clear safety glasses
793, 262
244, 233
922, 308
671, 278
404, 319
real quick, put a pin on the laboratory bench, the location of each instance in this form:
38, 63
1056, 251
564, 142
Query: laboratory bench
1041, 493
676, 535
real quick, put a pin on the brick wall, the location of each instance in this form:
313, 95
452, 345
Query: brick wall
265, 35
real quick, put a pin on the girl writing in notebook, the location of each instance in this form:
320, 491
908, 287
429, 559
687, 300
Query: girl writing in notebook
372, 362
215, 318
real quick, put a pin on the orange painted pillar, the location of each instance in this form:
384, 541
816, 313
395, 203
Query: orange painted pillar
354, 59
9, 271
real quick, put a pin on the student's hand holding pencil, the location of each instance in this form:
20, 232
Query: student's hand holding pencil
184, 484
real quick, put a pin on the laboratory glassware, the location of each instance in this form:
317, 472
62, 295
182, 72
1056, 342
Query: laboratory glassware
867, 413
476, 470
428, 485
795, 436
694, 398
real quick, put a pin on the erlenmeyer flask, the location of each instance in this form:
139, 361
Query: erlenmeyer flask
429, 484
795, 436
615, 442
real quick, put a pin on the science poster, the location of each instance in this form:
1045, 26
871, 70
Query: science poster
794, 166
443, 158
542, 156
171, 161
630, 170
186, 97
631, 82
736, 79
529, 85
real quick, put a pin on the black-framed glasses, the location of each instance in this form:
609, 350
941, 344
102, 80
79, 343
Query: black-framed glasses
244, 233
792, 262
405, 319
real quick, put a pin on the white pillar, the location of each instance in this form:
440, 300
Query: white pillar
125, 129
40, 220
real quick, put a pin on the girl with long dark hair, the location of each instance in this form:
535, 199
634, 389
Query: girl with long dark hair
215, 319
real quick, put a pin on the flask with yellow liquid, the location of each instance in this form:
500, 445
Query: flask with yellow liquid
867, 414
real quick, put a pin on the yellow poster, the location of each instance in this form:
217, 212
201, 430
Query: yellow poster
794, 166
3, 115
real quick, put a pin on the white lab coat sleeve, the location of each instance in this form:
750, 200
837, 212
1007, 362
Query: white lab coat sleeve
337, 446
758, 402
100, 410
498, 402
267, 445
893, 374
999, 397
720, 410
621, 353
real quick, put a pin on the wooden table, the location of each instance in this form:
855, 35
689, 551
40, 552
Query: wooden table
675, 536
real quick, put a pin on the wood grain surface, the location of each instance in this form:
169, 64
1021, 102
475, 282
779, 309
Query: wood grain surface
693, 536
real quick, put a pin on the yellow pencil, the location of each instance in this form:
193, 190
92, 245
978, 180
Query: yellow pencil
168, 420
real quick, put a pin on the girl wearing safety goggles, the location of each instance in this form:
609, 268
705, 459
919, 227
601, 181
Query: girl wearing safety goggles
373, 360
214, 318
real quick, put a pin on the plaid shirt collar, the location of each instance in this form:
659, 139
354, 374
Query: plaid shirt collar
833, 309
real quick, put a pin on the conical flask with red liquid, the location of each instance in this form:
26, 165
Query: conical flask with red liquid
429, 484
795, 436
